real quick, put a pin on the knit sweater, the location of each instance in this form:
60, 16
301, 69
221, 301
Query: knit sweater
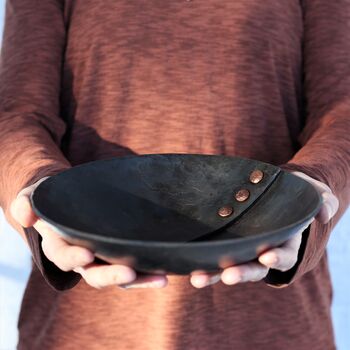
82, 80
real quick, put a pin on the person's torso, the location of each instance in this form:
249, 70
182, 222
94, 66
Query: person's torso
159, 76
215, 77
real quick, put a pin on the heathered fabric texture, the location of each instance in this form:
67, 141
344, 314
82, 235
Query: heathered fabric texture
84, 79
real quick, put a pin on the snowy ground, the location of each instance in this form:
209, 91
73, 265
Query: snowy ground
14, 270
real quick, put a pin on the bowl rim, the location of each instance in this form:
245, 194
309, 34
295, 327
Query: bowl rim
77, 234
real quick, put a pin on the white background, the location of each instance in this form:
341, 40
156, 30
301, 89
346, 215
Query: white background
15, 267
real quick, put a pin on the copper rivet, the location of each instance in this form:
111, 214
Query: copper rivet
256, 176
225, 211
242, 195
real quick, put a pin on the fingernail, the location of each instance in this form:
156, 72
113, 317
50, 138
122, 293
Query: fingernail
269, 259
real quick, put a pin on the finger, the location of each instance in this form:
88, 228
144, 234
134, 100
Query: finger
329, 208
147, 281
330, 201
100, 276
320, 186
21, 209
243, 273
203, 280
284, 257
65, 256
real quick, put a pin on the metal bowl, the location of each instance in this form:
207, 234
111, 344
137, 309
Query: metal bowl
176, 213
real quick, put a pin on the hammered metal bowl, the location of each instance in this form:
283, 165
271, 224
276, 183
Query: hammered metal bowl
176, 213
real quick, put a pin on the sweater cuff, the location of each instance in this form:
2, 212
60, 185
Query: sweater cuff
56, 278
280, 279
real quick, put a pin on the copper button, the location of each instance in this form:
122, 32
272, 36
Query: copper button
225, 211
242, 195
256, 176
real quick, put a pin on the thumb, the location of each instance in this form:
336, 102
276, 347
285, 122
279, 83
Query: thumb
330, 203
21, 209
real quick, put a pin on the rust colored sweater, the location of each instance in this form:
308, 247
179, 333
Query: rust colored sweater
85, 79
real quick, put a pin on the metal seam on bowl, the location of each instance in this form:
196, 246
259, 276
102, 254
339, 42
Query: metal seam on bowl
243, 213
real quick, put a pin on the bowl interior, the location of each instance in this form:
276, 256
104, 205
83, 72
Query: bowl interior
173, 198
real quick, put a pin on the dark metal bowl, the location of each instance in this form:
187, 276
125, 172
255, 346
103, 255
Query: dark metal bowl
176, 213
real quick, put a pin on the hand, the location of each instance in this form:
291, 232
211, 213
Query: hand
282, 258
69, 257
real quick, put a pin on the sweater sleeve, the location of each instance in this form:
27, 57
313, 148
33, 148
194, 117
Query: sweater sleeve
325, 137
31, 128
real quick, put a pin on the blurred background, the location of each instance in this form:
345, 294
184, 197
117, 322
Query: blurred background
15, 264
